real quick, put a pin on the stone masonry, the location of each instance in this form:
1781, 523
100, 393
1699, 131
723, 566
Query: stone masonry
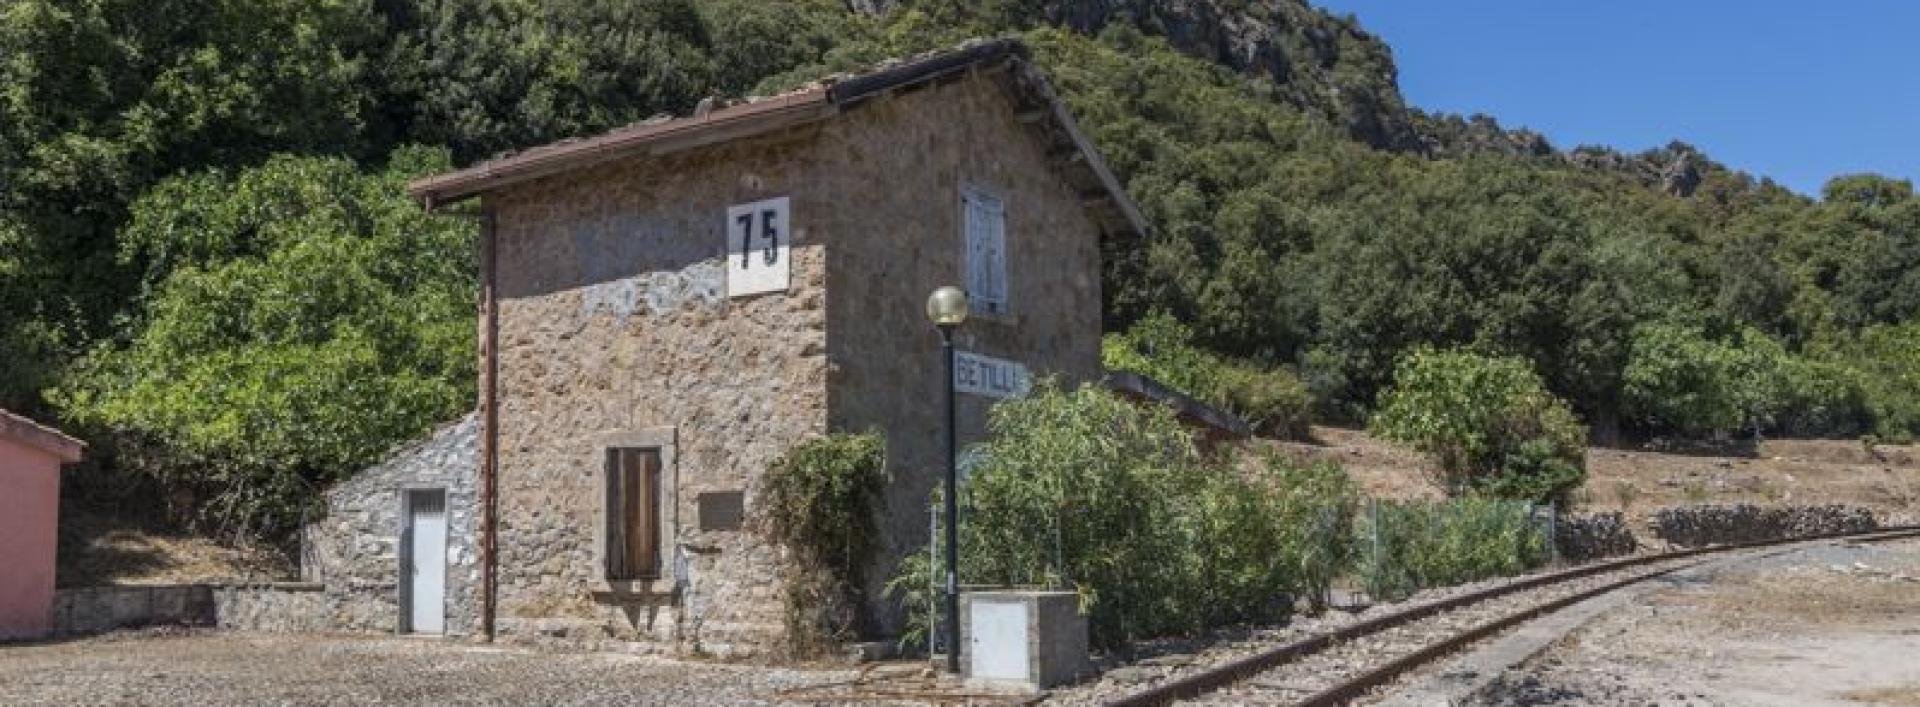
615, 330
353, 550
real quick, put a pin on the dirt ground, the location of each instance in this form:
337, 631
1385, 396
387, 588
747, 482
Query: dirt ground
96, 549
1838, 625
1641, 480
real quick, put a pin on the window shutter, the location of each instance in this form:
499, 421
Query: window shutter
986, 251
633, 514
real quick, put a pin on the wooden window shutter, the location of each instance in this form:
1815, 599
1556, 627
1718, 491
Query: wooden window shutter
633, 514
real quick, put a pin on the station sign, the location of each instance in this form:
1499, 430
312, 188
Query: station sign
989, 376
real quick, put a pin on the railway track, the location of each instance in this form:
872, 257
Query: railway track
1339, 666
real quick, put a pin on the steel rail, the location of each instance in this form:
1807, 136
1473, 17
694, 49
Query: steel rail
1213, 679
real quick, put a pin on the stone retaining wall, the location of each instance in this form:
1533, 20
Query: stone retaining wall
1694, 526
275, 606
1580, 538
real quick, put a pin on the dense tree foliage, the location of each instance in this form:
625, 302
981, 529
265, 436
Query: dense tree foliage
1303, 217
298, 317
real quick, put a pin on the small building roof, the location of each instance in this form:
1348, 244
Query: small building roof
1217, 423
19, 429
1006, 59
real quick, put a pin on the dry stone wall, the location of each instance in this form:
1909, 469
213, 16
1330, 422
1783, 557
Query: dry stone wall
1693, 526
1584, 537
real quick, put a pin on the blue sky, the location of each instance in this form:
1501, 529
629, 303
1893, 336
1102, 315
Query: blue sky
1798, 90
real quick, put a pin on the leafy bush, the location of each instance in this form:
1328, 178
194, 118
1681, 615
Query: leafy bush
819, 503
1160, 347
1083, 489
1407, 547
1274, 401
1886, 360
1488, 422
1679, 379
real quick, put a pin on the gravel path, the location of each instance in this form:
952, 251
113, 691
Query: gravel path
1832, 625
204, 668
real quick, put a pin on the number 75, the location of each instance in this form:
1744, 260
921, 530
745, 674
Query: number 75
769, 231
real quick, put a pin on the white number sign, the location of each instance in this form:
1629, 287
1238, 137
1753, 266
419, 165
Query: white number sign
989, 376
758, 243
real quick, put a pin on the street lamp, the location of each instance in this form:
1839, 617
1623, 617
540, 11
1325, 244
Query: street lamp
948, 307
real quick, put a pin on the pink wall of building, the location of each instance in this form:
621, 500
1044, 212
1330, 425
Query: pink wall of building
30, 459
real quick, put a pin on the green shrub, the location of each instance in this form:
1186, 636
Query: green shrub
1274, 401
1083, 489
1886, 361
1488, 422
1679, 380
1160, 347
1822, 399
1407, 547
819, 503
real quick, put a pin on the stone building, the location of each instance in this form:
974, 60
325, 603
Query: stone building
668, 307
407, 522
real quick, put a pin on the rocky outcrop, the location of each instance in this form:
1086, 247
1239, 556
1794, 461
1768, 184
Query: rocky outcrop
1314, 60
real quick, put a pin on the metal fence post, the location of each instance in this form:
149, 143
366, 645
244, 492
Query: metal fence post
1553, 532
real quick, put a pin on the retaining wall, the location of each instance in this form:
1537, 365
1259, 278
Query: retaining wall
1580, 538
1694, 526
276, 606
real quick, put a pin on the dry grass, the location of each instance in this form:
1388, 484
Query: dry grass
1885, 478
1803, 597
103, 550
1908, 695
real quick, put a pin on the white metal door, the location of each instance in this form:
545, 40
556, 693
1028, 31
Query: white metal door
427, 561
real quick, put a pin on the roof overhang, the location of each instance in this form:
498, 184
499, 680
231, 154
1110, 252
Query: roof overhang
1218, 423
15, 428
1008, 59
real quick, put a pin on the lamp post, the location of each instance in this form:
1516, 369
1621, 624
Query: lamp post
947, 307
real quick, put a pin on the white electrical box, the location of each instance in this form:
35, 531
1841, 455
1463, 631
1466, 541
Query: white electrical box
1025, 640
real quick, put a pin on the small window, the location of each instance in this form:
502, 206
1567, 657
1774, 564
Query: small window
986, 227
633, 514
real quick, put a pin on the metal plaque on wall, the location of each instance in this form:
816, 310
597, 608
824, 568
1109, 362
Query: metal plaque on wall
722, 510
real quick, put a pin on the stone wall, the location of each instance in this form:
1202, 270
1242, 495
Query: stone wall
352, 551
1693, 526
1592, 536
886, 369
615, 327
280, 607
267, 606
615, 330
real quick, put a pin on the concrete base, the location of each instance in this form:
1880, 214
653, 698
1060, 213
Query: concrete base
1023, 640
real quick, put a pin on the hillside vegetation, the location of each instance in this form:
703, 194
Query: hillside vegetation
207, 267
